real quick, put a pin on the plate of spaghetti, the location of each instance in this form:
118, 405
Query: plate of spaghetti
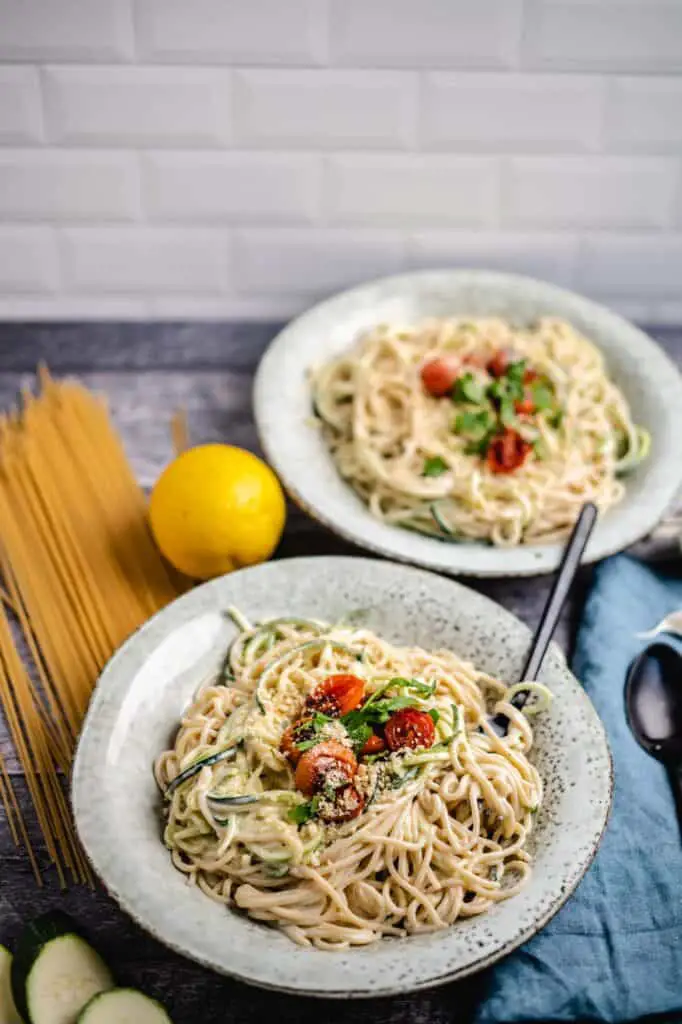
289, 775
459, 420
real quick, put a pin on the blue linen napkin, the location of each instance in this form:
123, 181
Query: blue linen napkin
614, 951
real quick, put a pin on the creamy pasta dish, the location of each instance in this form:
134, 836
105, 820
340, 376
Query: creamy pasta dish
478, 430
346, 789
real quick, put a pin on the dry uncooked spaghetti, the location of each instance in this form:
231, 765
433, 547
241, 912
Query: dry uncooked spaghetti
81, 573
437, 436
440, 814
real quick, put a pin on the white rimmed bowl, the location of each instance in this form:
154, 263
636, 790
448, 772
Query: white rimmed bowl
135, 712
282, 401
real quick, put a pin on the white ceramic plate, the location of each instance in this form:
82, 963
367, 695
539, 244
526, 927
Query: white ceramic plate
299, 455
135, 712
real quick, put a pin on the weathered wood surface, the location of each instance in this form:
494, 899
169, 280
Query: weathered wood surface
147, 371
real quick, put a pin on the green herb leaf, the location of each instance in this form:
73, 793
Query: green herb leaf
475, 424
304, 812
468, 388
507, 412
556, 419
424, 689
307, 744
516, 370
542, 395
434, 466
434, 715
310, 730
357, 725
479, 447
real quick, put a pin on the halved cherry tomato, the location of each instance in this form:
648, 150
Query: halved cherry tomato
499, 364
296, 733
374, 745
348, 803
530, 375
439, 375
319, 761
409, 728
507, 452
336, 695
525, 406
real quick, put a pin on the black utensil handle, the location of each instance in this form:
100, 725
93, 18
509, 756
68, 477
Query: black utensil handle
570, 563
675, 776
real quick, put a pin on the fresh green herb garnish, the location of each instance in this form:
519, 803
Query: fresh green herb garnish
507, 412
434, 715
542, 395
516, 371
434, 466
304, 812
423, 689
468, 389
556, 419
475, 424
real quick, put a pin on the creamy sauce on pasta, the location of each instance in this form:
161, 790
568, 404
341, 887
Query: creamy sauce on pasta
410, 458
443, 830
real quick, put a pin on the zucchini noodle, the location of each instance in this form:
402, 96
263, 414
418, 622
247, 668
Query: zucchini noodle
443, 832
382, 428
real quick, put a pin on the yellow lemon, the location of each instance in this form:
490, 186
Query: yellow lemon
216, 508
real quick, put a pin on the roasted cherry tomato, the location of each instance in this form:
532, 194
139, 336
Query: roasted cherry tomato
374, 745
525, 406
499, 364
409, 728
439, 375
507, 452
327, 758
336, 695
296, 733
347, 804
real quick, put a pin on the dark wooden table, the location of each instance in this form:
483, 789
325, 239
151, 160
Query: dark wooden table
148, 371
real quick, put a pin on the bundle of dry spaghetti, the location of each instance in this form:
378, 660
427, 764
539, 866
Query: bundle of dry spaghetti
81, 572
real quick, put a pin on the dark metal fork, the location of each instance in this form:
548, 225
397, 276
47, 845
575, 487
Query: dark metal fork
570, 563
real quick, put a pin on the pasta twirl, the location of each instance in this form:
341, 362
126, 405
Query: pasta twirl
478, 430
444, 820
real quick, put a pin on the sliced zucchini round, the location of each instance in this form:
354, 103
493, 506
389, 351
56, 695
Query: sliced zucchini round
8, 1011
55, 972
123, 1006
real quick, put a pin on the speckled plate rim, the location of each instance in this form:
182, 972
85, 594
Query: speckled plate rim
282, 406
403, 965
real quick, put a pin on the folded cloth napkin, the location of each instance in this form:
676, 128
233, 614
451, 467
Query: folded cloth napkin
614, 951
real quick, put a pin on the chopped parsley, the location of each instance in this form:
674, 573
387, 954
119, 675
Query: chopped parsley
434, 466
493, 406
542, 395
468, 389
304, 812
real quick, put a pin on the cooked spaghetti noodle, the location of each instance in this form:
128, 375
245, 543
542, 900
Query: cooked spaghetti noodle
443, 821
470, 463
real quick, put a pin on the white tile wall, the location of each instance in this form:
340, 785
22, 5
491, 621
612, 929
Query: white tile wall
244, 157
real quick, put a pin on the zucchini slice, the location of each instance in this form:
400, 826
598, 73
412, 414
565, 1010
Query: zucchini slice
194, 769
8, 1011
123, 1006
55, 972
